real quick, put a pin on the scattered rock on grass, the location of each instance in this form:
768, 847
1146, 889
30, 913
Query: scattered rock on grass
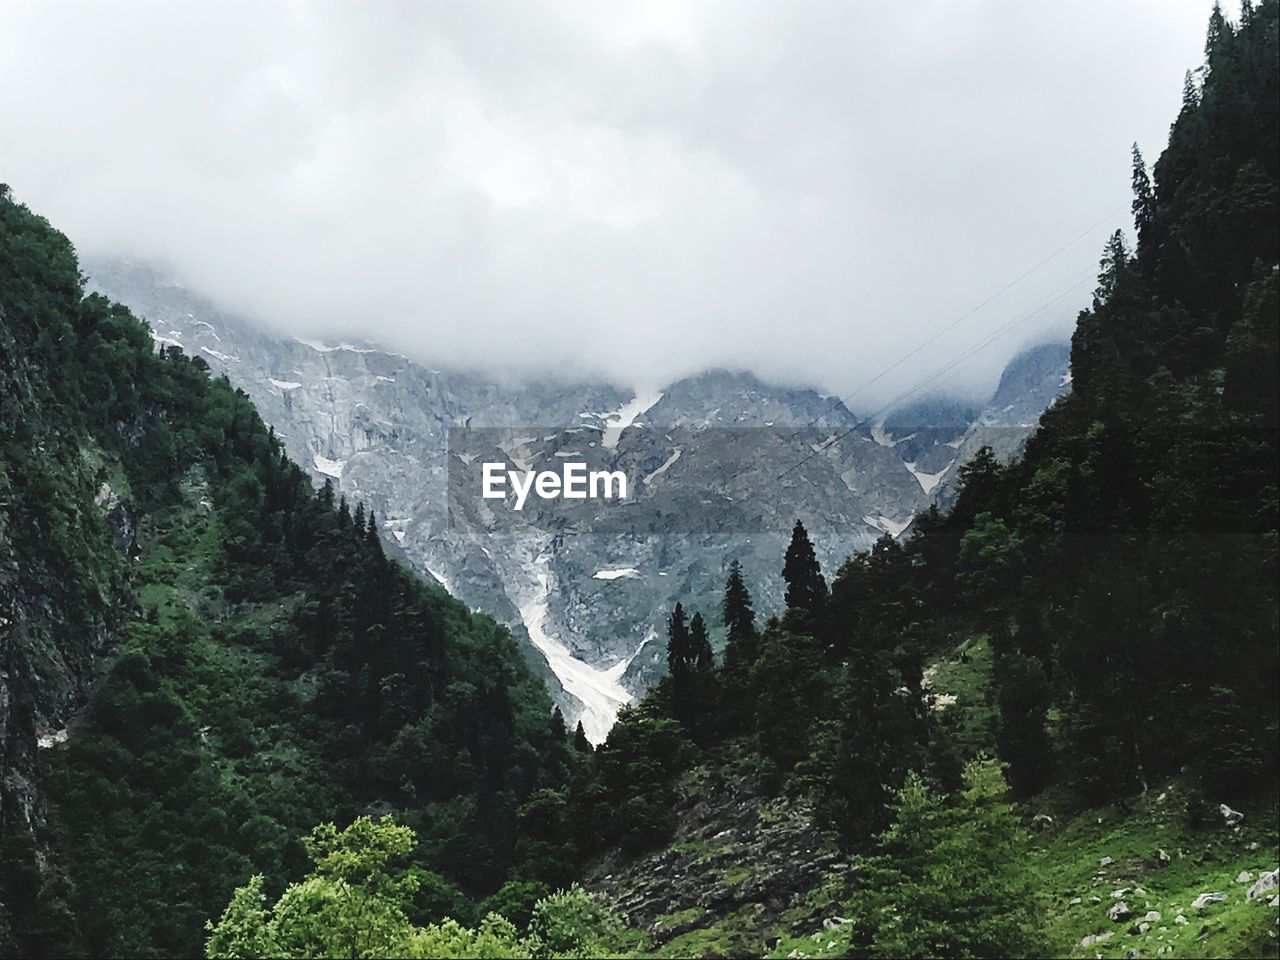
1202, 901
1265, 883
1119, 911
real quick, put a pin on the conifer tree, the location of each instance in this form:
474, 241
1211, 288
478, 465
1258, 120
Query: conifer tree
371, 536
782, 685
806, 590
580, 742
678, 644
1143, 201
701, 659
558, 729
950, 878
741, 642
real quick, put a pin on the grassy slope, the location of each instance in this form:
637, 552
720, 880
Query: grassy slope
1066, 856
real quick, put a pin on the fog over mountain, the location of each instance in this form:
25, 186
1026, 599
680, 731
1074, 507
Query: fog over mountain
631, 191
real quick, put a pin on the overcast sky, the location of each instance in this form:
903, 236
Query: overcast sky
806, 189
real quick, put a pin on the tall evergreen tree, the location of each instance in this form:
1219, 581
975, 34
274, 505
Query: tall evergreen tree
806, 590
741, 642
558, 729
678, 644
702, 660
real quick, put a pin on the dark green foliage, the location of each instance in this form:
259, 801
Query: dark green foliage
785, 691
629, 796
806, 590
741, 649
580, 742
271, 667
1023, 696
691, 681
950, 877
1124, 570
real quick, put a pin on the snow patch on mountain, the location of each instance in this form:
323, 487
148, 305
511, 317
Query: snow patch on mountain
225, 358
205, 323
891, 527
165, 340
330, 468
439, 577
615, 574
649, 478
284, 384
625, 415
927, 480
600, 691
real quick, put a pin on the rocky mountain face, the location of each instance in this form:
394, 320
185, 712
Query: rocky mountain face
720, 466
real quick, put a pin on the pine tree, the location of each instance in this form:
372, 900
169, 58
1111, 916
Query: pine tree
558, 729
741, 642
372, 537
1143, 200
949, 879
1023, 696
580, 742
782, 695
678, 644
882, 727
702, 660
806, 590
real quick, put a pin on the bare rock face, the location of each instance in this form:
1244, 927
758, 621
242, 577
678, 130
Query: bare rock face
590, 609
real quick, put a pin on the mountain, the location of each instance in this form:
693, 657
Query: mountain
588, 608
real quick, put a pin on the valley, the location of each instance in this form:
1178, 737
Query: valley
378, 425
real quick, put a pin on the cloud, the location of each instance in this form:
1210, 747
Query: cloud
631, 190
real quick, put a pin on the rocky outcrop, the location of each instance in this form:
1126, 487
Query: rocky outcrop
734, 855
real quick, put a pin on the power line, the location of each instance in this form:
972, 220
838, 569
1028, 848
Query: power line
838, 401
937, 373
965, 316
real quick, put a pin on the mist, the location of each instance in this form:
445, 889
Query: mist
631, 191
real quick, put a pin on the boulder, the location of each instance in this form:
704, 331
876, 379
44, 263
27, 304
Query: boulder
1229, 815
1095, 938
834, 923
1265, 883
1202, 901
1105, 862
1119, 911
1180, 920
1244, 876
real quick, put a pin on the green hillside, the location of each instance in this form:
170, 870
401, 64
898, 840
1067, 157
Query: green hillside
253, 663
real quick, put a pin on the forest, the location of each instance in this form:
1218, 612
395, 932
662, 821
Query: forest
292, 746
